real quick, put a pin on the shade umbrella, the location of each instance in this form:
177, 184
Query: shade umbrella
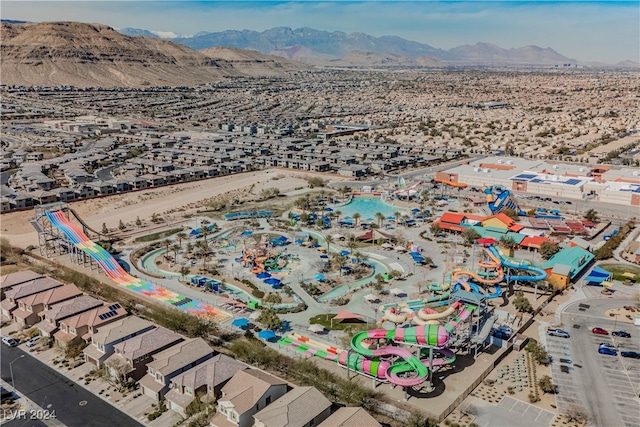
254, 315
240, 322
328, 209
316, 328
396, 291
418, 259
415, 210
266, 334
272, 281
319, 276
299, 241
324, 256
263, 275
344, 253
414, 254
247, 233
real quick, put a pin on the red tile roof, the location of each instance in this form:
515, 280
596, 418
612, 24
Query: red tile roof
533, 241
451, 218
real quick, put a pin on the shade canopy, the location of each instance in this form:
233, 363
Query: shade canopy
319, 276
487, 241
597, 275
344, 314
247, 233
263, 275
344, 253
272, 281
371, 297
396, 291
266, 334
240, 322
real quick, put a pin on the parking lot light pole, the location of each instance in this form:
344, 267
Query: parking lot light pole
11, 369
615, 320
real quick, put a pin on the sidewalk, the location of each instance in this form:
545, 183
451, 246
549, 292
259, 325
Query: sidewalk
26, 408
135, 403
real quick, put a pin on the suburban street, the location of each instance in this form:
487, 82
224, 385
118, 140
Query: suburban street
604, 386
73, 405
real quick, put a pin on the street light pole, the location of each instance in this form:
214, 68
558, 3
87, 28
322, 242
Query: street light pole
615, 321
11, 369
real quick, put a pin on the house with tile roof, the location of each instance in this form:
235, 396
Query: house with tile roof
172, 362
246, 393
103, 341
350, 417
301, 407
41, 284
10, 280
51, 318
133, 354
206, 379
76, 328
31, 306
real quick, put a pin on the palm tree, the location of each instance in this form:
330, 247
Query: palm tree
357, 216
175, 249
397, 215
329, 239
204, 247
340, 261
380, 217
203, 227
181, 236
352, 244
508, 243
338, 215
184, 270
166, 243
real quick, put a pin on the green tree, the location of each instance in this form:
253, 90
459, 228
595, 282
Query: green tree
184, 270
181, 236
508, 242
271, 299
546, 385
521, 303
356, 217
104, 230
175, 249
329, 239
121, 225
378, 286
138, 221
435, 229
269, 319
511, 214
380, 217
591, 215
548, 249
470, 236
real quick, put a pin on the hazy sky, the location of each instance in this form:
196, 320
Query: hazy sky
605, 31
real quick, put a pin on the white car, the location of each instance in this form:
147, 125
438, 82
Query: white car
33, 341
11, 342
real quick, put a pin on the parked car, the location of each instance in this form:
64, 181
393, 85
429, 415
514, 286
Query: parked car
608, 351
623, 334
502, 333
608, 345
600, 331
558, 333
632, 354
33, 341
11, 342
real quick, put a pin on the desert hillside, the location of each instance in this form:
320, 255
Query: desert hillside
72, 53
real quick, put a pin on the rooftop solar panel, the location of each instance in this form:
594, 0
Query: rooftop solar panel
524, 176
572, 181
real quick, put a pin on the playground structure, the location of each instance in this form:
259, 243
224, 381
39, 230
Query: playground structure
55, 228
504, 200
405, 191
373, 355
262, 255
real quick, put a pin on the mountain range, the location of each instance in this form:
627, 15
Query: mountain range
326, 48
78, 54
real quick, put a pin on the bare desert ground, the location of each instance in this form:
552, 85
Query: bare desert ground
171, 201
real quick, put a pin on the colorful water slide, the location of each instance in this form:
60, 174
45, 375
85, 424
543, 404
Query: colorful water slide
537, 273
407, 191
111, 267
397, 315
434, 287
504, 200
451, 183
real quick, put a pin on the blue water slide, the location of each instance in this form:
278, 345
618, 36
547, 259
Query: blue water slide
538, 273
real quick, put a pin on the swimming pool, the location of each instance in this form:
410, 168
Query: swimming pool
367, 207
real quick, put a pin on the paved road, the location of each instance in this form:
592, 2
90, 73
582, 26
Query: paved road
605, 386
74, 406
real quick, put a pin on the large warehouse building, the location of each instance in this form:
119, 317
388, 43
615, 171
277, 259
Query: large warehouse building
602, 183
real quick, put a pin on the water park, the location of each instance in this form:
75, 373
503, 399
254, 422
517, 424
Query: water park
335, 261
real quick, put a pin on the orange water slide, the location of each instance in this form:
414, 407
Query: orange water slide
451, 183
495, 263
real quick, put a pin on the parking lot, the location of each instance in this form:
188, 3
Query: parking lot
606, 387
509, 412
